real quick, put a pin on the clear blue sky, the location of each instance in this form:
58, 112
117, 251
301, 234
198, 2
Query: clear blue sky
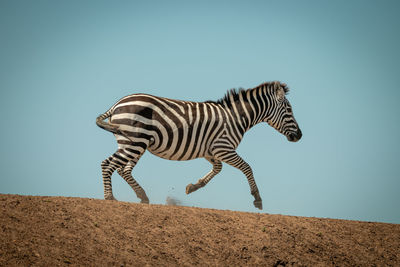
64, 62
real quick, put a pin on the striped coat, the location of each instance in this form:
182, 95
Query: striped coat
184, 130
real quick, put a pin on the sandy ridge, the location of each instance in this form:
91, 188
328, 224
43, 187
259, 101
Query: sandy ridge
46, 231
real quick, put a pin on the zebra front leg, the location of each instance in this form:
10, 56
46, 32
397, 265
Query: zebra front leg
217, 166
125, 173
233, 159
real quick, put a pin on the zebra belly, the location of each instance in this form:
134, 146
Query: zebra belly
187, 154
192, 146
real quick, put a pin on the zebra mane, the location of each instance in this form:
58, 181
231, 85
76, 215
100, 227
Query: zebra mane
235, 93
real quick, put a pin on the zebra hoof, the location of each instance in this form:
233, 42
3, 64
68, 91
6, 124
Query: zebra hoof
190, 188
144, 201
258, 204
110, 198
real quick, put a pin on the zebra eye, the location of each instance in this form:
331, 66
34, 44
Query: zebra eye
289, 110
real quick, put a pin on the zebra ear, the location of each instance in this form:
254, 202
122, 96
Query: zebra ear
280, 93
277, 85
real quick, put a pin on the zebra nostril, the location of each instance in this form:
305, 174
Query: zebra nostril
291, 137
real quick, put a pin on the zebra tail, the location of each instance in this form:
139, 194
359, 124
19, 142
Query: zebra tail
106, 125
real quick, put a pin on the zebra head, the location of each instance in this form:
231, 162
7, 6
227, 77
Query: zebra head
279, 112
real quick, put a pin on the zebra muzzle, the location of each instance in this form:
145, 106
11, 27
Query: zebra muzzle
294, 137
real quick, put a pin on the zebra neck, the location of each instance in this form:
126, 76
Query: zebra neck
257, 104
246, 110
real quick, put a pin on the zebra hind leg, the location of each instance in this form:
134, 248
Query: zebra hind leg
217, 166
125, 172
108, 166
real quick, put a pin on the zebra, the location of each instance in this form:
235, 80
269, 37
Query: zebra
185, 130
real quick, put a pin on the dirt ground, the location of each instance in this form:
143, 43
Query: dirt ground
49, 231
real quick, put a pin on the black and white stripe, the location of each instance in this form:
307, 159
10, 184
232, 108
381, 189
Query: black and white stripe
184, 130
